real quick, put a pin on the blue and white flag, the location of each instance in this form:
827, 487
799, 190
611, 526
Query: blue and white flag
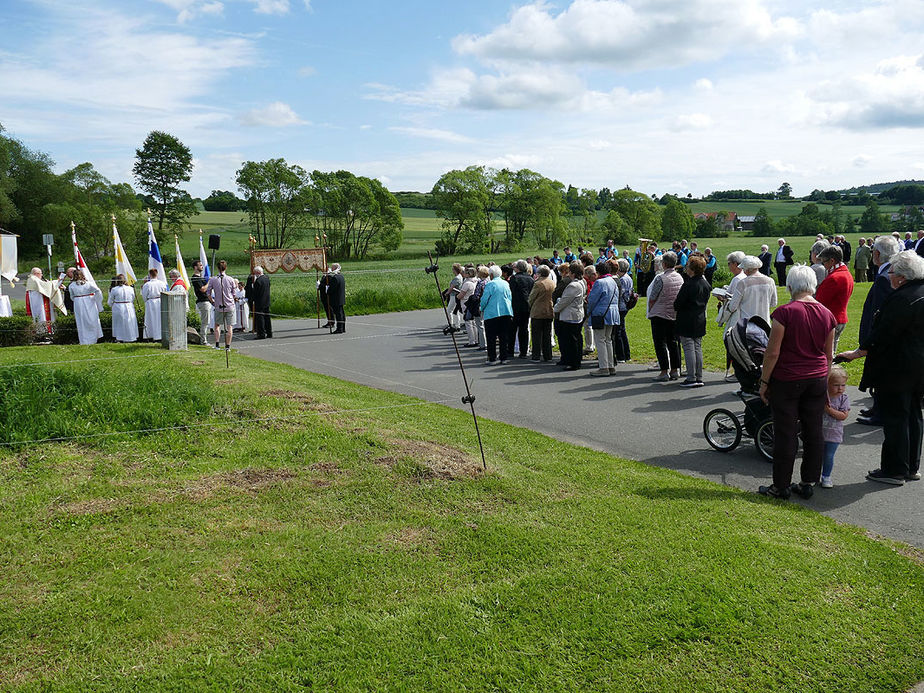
205, 263
154, 258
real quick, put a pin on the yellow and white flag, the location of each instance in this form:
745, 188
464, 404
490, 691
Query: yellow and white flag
123, 266
181, 268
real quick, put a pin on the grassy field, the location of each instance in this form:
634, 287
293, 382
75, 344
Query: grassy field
348, 540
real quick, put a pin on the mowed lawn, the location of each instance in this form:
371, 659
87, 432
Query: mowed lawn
288, 531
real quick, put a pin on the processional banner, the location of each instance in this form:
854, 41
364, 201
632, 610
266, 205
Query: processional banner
289, 260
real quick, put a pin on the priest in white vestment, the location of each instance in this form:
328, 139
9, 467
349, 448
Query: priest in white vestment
150, 292
88, 304
124, 319
42, 298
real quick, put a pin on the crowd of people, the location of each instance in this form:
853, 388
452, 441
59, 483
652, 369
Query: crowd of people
519, 310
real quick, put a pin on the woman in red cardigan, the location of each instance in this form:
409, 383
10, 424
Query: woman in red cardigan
834, 292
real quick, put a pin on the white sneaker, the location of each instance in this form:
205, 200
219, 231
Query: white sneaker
826, 482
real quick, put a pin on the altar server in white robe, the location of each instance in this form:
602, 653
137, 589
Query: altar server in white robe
150, 292
242, 309
88, 304
124, 319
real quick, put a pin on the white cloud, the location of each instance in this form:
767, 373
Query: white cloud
627, 34
271, 6
703, 84
692, 121
512, 161
431, 134
275, 115
891, 96
861, 161
307, 71
600, 145
365, 127
776, 166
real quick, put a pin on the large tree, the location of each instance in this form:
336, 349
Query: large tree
461, 199
641, 214
872, 222
676, 221
162, 163
278, 200
355, 213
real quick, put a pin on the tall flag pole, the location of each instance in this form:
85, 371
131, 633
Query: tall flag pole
181, 268
78, 258
122, 265
154, 259
203, 259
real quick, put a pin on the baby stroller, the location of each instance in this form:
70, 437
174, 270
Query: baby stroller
746, 343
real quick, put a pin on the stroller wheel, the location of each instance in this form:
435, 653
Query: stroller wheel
722, 430
764, 440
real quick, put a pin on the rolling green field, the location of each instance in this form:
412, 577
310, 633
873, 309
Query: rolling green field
285, 530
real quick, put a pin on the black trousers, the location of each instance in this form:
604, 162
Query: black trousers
797, 405
621, 339
901, 428
542, 338
571, 342
339, 317
262, 324
666, 344
498, 330
781, 273
519, 330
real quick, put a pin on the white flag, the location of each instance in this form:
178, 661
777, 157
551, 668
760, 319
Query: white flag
180, 266
78, 258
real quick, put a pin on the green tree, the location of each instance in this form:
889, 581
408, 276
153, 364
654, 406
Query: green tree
642, 215
356, 213
223, 201
676, 221
872, 222
763, 224
278, 201
161, 165
617, 229
784, 191
461, 200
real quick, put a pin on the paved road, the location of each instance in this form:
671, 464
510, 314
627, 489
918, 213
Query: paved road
630, 415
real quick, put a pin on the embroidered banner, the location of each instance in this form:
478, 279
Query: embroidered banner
289, 260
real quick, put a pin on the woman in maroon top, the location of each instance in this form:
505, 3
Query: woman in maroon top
794, 383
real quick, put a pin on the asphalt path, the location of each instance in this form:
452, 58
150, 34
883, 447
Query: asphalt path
628, 415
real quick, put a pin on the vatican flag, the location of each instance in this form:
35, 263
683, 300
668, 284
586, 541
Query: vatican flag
181, 268
123, 266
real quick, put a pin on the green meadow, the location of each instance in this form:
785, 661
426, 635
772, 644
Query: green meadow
280, 530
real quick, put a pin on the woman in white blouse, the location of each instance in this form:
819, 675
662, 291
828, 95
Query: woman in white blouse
753, 295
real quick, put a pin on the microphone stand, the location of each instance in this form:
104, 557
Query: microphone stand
469, 398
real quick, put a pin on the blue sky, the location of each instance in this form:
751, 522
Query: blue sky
662, 95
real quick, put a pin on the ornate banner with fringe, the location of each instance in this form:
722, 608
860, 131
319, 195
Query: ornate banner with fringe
289, 260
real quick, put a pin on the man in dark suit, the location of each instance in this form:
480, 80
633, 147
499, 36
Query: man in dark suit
844, 245
324, 298
521, 284
765, 257
261, 304
336, 295
883, 250
919, 244
248, 292
782, 260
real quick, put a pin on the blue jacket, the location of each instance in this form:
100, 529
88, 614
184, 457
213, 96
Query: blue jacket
496, 299
603, 300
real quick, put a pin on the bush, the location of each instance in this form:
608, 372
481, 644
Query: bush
18, 330
65, 331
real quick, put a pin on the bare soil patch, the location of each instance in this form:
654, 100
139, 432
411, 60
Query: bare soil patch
93, 506
438, 461
306, 402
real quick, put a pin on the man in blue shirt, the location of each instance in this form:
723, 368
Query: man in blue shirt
555, 259
569, 256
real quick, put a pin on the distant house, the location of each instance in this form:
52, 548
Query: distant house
746, 223
730, 223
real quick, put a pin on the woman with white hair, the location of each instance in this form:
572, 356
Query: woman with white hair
469, 308
817, 266
755, 294
497, 309
726, 315
794, 382
897, 337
